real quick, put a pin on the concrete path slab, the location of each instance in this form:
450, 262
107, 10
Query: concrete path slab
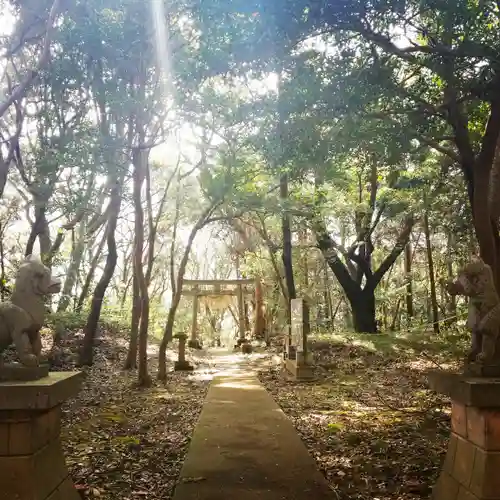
244, 448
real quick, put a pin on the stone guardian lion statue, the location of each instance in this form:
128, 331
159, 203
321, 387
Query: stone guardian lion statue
476, 281
22, 317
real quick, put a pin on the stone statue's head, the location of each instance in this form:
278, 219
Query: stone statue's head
35, 278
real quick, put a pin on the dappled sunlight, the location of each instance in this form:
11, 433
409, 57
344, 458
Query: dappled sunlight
241, 385
152, 350
229, 364
368, 406
202, 376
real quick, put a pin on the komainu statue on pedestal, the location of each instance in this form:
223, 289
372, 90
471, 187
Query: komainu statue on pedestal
22, 317
476, 281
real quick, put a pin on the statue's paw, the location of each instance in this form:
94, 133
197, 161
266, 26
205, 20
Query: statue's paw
483, 357
29, 360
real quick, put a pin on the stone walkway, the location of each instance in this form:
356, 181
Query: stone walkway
244, 447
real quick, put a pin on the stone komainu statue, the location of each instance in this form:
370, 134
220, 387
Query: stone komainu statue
476, 281
22, 317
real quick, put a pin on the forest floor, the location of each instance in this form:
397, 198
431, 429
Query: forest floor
371, 423
123, 442
368, 419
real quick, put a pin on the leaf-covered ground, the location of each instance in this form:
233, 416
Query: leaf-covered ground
369, 420
122, 442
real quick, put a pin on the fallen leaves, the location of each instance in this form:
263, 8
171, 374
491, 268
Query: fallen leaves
123, 442
369, 420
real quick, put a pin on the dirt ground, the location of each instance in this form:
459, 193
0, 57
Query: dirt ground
122, 442
369, 420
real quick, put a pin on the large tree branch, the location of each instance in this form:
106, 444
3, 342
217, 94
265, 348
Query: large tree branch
433, 143
329, 250
399, 246
490, 137
12, 151
20, 90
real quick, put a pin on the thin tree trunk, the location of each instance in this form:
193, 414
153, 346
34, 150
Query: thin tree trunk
432, 280
409, 280
327, 298
395, 317
2, 264
72, 273
451, 299
90, 275
40, 229
131, 360
287, 246
139, 165
177, 292
86, 353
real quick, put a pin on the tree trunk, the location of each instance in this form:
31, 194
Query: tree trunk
305, 271
177, 290
2, 265
287, 245
260, 327
409, 280
139, 165
72, 273
395, 318
451, 299
86, 353
246, 309
432, 280
90, 275
327, 298
362, 299
131, 361
363, 311
39, 229
167, 337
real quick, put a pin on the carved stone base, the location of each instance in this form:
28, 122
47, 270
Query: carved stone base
31, 459
476, 369
19, 372
183, 366
299, 371
471, 470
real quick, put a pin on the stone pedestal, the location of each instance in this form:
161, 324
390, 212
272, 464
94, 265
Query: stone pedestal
19, 372
181, 364
32, 465
299, 371
471, 470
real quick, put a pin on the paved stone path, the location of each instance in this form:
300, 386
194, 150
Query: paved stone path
245, 448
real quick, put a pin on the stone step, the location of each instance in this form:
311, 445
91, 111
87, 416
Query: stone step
245, 448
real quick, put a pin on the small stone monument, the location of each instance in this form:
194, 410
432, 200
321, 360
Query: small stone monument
32, 462
298, 360
472, 464
182, 364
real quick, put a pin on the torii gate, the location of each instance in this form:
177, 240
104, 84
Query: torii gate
219, 288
